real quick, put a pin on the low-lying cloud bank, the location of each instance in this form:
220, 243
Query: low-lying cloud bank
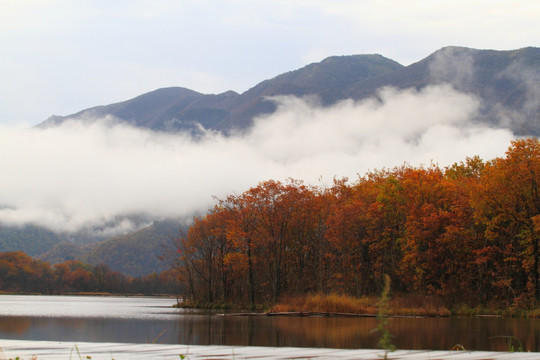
87, 175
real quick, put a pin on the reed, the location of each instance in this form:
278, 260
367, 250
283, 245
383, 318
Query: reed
385, 339
337, 303
331, 303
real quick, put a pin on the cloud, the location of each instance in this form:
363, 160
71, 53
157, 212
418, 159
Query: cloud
352, 137
529, 76
103, 174
454, 66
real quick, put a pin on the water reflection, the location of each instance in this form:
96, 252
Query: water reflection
420, 333
14, 326
155, 321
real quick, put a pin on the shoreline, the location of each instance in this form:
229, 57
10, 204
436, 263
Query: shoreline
397, 312
350, 315
96, 294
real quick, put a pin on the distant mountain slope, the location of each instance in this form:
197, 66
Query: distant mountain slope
506, 82
30, 239
134, 254
328, 79
138, 253
166, 109
63, 252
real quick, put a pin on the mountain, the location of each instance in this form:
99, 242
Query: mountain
172, 109
328, 80
30, 239
63, 252
505, 81
135, 254
138, 253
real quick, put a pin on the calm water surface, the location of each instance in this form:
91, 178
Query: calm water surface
154, 320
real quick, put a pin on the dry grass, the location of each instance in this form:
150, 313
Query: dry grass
418, 305
327, 303
334, 303
534, 314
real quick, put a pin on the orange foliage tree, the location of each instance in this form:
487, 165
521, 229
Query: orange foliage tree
508, 204
20, 273
467, 233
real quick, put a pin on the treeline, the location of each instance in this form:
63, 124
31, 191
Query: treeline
20, 273
468, 233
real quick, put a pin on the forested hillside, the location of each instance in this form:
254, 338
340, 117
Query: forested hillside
20, 273
135, 254
468, 233
33, 240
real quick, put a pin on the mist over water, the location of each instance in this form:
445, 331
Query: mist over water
93, 173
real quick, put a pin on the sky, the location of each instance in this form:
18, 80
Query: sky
62, 56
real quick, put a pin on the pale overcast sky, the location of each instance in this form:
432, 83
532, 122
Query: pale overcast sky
61, 56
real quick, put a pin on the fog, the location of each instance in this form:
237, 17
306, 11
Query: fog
91, 174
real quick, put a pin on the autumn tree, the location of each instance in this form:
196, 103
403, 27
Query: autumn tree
350, 231
21, 273
203, 251
282, 211
310, 253
467, 233
464, 178
508, 203
240, 229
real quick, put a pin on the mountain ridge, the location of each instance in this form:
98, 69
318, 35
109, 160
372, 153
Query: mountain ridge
177, 108
493, 75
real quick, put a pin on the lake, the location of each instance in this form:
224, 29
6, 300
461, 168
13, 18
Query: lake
154, 320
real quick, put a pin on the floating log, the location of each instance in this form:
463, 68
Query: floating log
300, 314
330, 314
243, 314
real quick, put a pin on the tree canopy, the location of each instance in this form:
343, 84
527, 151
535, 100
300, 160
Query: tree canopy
468, 233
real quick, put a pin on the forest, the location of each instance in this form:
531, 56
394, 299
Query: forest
20, 273
467, 233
